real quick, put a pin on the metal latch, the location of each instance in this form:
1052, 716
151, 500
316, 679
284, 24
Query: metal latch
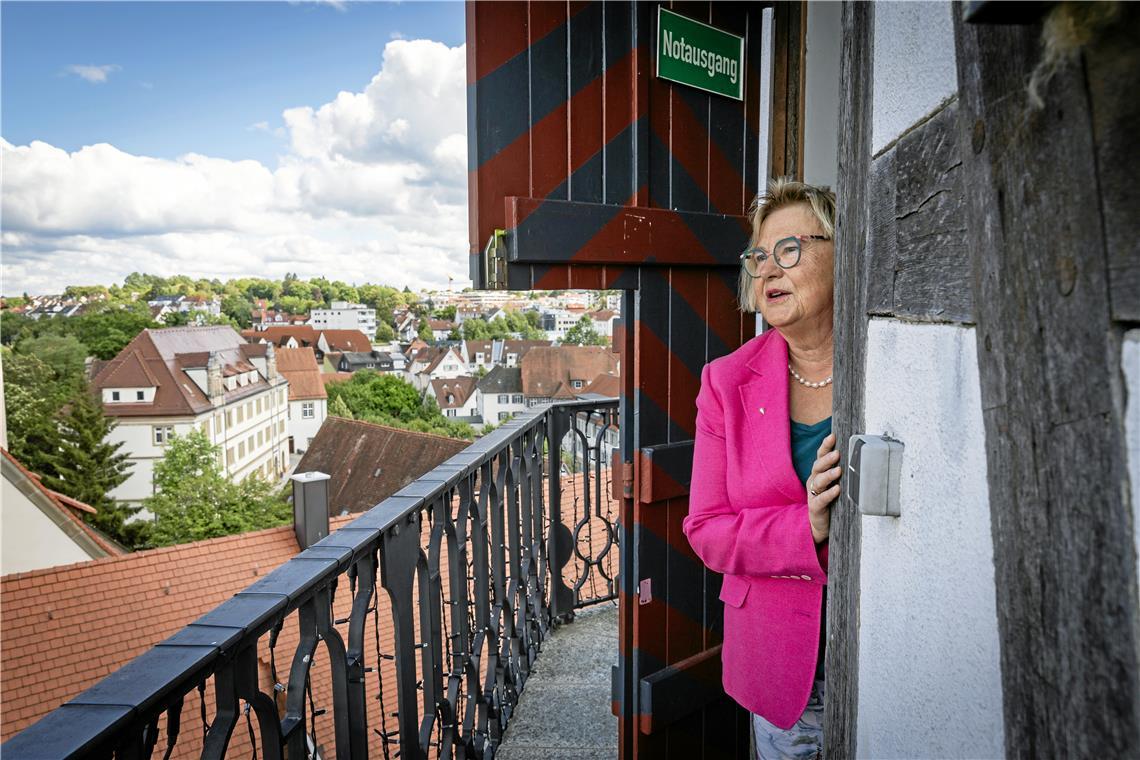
645, 591
495, 260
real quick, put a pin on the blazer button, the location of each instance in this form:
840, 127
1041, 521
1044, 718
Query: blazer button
805, 577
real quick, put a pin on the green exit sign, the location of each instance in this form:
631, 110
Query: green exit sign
699, 55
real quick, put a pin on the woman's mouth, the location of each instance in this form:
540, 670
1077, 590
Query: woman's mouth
775, 295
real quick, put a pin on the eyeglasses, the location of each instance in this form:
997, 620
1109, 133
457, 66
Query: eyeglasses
786, 253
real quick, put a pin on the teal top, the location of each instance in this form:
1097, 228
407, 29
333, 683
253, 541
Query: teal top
806, 440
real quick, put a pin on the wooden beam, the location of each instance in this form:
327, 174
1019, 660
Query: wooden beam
1049, 363
853, 212
680, 689
666, 471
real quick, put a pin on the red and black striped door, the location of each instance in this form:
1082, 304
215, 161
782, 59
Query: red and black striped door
604, 176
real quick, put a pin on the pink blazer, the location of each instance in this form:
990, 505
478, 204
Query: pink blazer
748, 520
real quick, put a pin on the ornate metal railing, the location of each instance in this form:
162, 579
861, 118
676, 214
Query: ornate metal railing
479, 558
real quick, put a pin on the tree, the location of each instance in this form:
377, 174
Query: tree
584, 334
388, 400
106, 331
424, 331
194, 500
87, 467
64, 354
32, 396
476, 329
338, 408
12, 326
176, 318
238, 308
446, 313
385, 333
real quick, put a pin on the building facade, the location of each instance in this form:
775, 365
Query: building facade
171, 381
342, 315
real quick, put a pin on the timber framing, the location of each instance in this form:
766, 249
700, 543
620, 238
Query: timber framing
852, 224
1049, 360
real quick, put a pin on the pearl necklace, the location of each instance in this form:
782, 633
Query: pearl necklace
801, 381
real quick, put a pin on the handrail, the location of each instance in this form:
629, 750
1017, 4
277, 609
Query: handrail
463, 644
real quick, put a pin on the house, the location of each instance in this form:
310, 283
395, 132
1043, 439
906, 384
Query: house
262, 318
441, 328
513, 351
407, 326
433, 363
457, 397
478, 353
308, 401
561, 372
369, 462
174, 380
342, 315
500, 394
42, 528
351, 361
285, 336
603, 320
344, 340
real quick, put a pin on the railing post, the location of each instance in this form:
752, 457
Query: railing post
559, 538
399, 560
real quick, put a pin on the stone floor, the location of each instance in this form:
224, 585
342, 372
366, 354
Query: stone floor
564, 708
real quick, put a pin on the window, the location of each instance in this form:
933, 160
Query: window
230, 455
575, 383
517, 398
241, 414
230, 418
478, 358
258, 405
249, 409
307, 410
206, 428
504, 398
139, 395
241, 450
504, 416
249, 444
114, 395
260, 438
162, 434
450, 412
281, 427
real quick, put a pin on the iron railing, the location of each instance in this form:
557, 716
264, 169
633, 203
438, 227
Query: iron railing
479, 560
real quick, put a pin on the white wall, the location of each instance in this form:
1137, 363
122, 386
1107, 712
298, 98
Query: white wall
302, 430
929, 673
1130, 361
821, 92
29, 539
914, 66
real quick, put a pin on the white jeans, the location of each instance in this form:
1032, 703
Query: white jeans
803, 741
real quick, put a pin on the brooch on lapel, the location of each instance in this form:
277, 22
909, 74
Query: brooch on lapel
761, 410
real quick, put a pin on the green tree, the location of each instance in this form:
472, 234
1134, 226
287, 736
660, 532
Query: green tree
385, 333
12, 325
584, 334
194, 500
476, 329
64, 354
238, 308
445, 312
338, 408
176, 318
86, 466
424, 331
32, 396
388, 400
106, 331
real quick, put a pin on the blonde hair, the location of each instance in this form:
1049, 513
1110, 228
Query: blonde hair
783, 192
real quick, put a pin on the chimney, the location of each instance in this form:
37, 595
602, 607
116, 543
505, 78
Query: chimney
215, 389
270, 363
310, 507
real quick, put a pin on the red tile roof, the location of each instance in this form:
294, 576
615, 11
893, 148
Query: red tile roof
346, 340
369, 462
550, 372
604, 385
279, 335
299, 366
334, 377
459, 388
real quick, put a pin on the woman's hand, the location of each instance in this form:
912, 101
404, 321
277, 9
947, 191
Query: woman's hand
824, 481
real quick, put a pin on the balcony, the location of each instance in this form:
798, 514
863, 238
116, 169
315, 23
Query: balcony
410, 632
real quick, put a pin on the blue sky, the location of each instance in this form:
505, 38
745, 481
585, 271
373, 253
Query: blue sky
225, 139
192, 77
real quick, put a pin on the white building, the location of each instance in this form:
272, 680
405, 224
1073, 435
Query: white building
172, 381
500, 395
342, 315
308, 401
434, 364
40, 527
456, 397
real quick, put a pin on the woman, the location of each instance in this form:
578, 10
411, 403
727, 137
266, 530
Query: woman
765, 473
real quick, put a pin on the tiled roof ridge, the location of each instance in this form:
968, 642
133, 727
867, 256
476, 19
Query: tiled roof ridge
433, 436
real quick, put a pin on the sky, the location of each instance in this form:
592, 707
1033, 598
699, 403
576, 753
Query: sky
229, 139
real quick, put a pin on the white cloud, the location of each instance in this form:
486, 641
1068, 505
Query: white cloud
373, 186
93, 74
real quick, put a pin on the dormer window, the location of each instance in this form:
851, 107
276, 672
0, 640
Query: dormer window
140, 395
114, 395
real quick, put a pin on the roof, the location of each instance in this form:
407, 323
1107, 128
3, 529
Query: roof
98, 615
346, 340
502, 380
441, 324
159, 357
369, 462
602, 315
62, 506
300, 368
459, 388
603, 386
279, 335
547, 372
335, 377
443, 352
